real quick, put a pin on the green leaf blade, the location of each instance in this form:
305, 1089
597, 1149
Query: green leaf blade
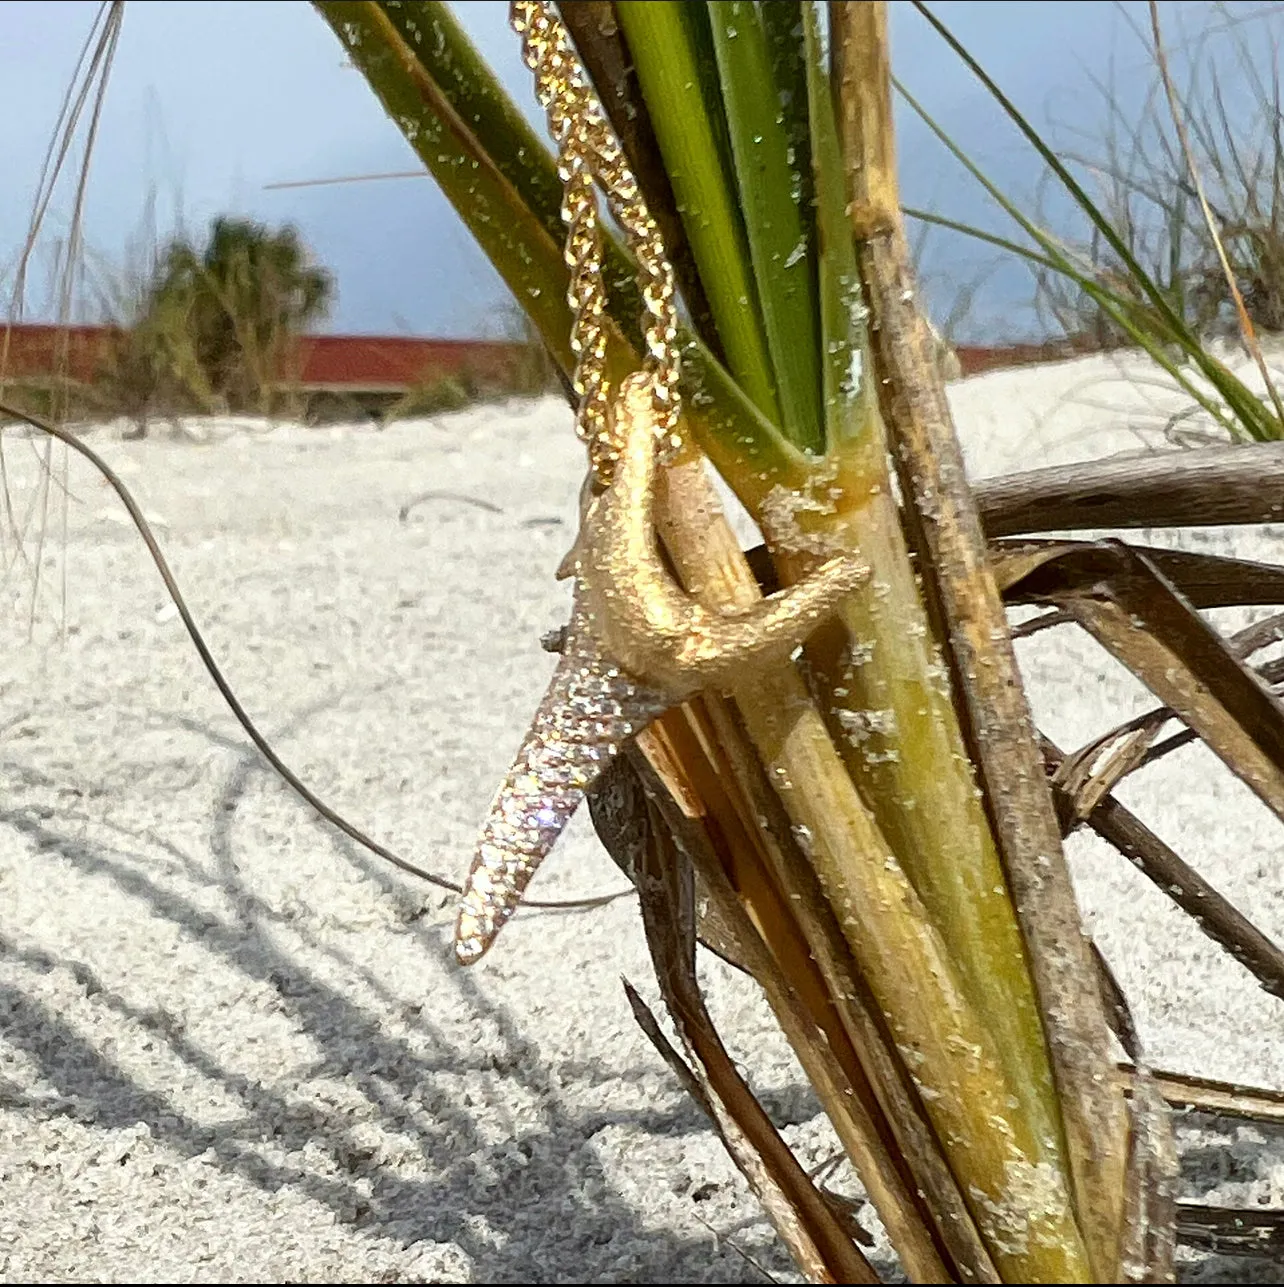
850, 407
672, 53
779, 222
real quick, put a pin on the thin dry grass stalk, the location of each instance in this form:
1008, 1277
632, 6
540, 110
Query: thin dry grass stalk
1232, 1231
86, 90
72, 441
1248, 333
1188, 1093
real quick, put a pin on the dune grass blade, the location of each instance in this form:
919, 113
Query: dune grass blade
1050, 158
1144, 330
461, 77
782, 24
673, 56
1168, 325
1242, 413
489, 125
465, 81
605, 54
969, 620
779, 226
511, 232
851, 410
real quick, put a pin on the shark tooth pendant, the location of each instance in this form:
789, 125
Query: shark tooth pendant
590, 710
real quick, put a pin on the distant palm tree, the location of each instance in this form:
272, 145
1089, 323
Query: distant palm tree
213, 326
245, 294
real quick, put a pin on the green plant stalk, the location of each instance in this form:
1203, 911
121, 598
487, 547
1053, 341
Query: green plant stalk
889, 704
485, 116
850, 402
780, 228
782, 25
464, 80
951, 1051
669, 41
431, 147
746, 449
727, 424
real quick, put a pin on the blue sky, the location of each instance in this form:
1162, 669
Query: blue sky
211, 100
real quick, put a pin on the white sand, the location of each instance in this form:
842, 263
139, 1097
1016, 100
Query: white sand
233, 1047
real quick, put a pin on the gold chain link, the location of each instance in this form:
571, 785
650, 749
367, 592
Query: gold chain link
589, 153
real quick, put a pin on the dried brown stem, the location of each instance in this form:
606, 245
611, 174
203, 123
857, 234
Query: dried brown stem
1204, 580
1213, 485
1120, 598
1211, 910
819, 1242
1217, 1098
1231, 1231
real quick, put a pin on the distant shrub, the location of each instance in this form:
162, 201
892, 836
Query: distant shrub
210, 325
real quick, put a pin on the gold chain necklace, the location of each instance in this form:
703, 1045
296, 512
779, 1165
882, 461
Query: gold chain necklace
589, 153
